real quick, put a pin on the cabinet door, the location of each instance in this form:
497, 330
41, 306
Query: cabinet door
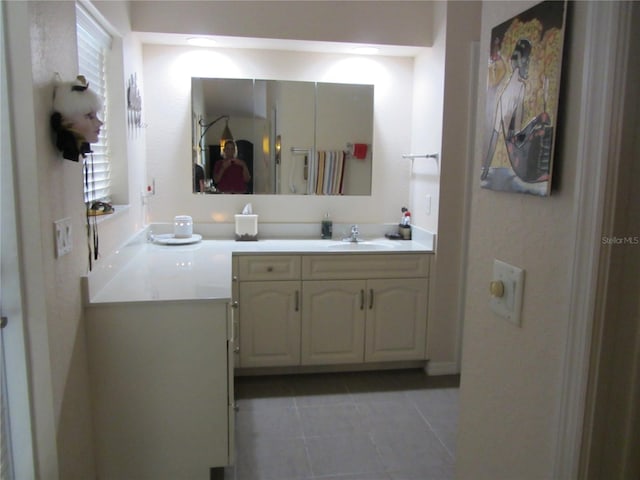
396, 319
269, 317
333, 321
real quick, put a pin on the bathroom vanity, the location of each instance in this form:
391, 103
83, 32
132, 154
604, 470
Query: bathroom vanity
165, 325
330, 309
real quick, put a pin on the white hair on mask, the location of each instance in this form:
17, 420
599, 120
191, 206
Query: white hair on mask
75, 98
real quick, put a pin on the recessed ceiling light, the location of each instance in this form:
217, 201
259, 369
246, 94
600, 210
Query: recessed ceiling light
365, 50
201, 42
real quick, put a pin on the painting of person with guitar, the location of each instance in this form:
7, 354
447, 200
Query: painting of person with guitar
520, 134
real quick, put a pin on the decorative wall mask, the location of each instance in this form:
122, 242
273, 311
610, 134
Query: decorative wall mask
75, 120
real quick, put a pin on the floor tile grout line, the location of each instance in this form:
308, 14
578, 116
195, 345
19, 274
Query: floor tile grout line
380, 457
351, 401
308, 457
348, 398
424, 418
304, 435
328, 404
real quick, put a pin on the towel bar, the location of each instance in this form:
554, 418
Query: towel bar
413, 156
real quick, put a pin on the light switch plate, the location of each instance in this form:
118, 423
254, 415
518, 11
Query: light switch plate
63, 236
509, 305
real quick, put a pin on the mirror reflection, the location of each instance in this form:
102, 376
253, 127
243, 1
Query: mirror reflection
281, 137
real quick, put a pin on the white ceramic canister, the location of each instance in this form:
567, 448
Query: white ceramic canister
182, 226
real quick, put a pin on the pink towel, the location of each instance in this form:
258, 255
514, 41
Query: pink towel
360, 151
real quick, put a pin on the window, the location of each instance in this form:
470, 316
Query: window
94, 44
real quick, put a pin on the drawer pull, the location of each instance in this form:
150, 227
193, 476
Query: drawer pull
269, 269
370, 299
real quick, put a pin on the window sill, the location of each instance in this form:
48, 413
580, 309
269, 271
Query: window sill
118, 210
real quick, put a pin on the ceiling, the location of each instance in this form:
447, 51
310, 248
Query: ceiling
278, 44
228, 97
333, 26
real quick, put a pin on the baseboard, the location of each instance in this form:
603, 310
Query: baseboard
357, 367
442, 368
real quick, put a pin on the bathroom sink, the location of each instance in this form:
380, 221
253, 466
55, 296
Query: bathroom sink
362, 245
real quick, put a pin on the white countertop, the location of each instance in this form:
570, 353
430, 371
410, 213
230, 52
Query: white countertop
144, 271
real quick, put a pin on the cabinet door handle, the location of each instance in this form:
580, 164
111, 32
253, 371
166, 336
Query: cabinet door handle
362, 299
234, 329
370, 299
297, 300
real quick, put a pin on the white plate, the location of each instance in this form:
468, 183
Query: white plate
170, 239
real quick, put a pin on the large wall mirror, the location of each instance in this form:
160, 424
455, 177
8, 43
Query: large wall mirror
303, 138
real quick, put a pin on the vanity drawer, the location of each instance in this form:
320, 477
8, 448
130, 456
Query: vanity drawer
397, 265
268, 267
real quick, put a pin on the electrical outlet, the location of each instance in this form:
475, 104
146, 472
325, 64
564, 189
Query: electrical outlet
63, 236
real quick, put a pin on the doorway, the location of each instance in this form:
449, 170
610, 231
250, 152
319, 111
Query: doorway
16, 447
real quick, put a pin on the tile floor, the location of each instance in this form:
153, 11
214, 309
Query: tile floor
391, 425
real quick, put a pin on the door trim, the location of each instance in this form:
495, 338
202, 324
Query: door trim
599, 154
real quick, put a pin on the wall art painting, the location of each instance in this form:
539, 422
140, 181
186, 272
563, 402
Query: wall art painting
523, 88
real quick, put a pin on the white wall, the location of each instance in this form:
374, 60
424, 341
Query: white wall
58, 185
442, 125
426, 138
41, 41
511, 376
167, 73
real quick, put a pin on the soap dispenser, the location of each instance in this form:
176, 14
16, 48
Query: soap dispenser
327, 227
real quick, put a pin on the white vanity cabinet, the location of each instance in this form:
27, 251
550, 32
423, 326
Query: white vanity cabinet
161, 378
333, 322
365, 307
396, 319
268, 309
269, 324
326, 309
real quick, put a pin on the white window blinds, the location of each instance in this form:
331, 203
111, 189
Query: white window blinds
94, 44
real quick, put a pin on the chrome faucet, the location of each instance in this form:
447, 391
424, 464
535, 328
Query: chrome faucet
355, 235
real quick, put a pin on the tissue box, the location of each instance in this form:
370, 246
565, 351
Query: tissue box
246, 227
